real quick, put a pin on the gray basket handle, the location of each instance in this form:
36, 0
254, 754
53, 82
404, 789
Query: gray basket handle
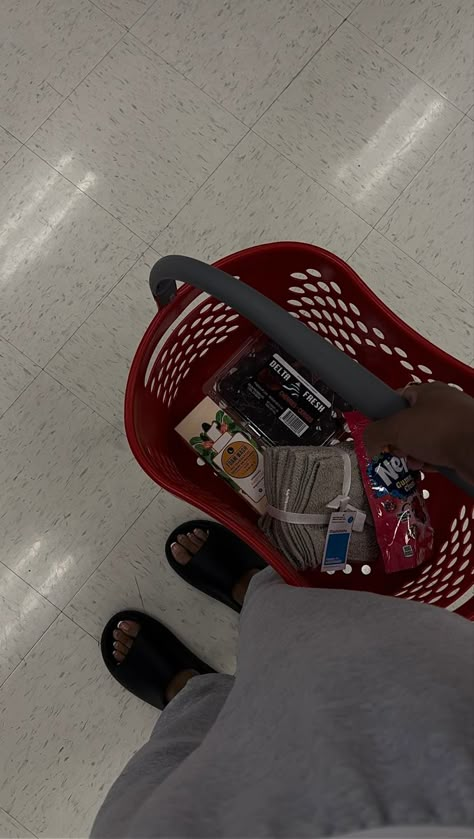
356, 385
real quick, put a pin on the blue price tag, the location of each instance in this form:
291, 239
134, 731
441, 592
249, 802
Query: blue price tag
337, 541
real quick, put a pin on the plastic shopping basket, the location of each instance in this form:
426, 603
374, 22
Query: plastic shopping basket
192, 336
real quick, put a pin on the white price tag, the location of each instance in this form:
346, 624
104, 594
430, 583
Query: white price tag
337, 541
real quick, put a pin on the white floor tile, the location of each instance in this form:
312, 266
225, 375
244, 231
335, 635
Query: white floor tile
94, 363
67, 729
242, 54
433, 219
24, 616
435, 40
470, 112
358, 122
59, 255
70, 489
11, 829
138, 136
416, 296
136, 575
16, 373
255, 196
126, 12
48, 47
8, 146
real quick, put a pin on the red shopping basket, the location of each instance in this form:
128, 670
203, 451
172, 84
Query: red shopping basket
192, 336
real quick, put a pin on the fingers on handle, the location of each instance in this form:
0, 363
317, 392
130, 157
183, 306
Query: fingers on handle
382, 435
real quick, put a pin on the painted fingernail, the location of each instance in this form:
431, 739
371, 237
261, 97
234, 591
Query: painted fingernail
124, 625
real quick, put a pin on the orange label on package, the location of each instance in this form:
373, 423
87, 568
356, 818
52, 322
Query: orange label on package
239, 459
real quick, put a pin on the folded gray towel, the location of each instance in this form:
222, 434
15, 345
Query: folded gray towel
303, 479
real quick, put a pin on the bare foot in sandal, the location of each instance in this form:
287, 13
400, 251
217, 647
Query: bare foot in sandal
124, 636
187, 545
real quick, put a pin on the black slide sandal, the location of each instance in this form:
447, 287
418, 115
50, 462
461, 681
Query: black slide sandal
156, 656
217, 566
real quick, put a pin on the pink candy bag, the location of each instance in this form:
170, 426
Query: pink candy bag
402, 525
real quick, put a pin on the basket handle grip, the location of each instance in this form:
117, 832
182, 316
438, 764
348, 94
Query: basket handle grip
353, 382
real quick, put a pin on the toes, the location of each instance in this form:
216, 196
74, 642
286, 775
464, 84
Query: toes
186, 542
130, 628
118, 656
180, 554
123, 635
195, 540
123, 638
202, 535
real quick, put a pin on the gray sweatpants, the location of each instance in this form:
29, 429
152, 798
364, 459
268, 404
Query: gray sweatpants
349, 711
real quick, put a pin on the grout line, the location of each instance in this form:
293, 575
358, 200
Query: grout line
405, 253
26, 583
152, 3
462, 299
359, 245
298, 73
35, 152
139, 43
48, 362
187, 78
16, 668
123, 25
159, 491
374, 227
68, 617
338, 198
23, 657
56, 618
26, 829
345, 15
323, 186
90, 197
425, 164
34, 376
53, 88
3, 165
5, 412
397, 247
139, 593
22, 352
74, 88
397, 60
96, 5
197, 191
82, 400
109, 292
11, 134
71, 393
62, 611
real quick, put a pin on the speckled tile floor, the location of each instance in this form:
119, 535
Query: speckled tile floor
131, 128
